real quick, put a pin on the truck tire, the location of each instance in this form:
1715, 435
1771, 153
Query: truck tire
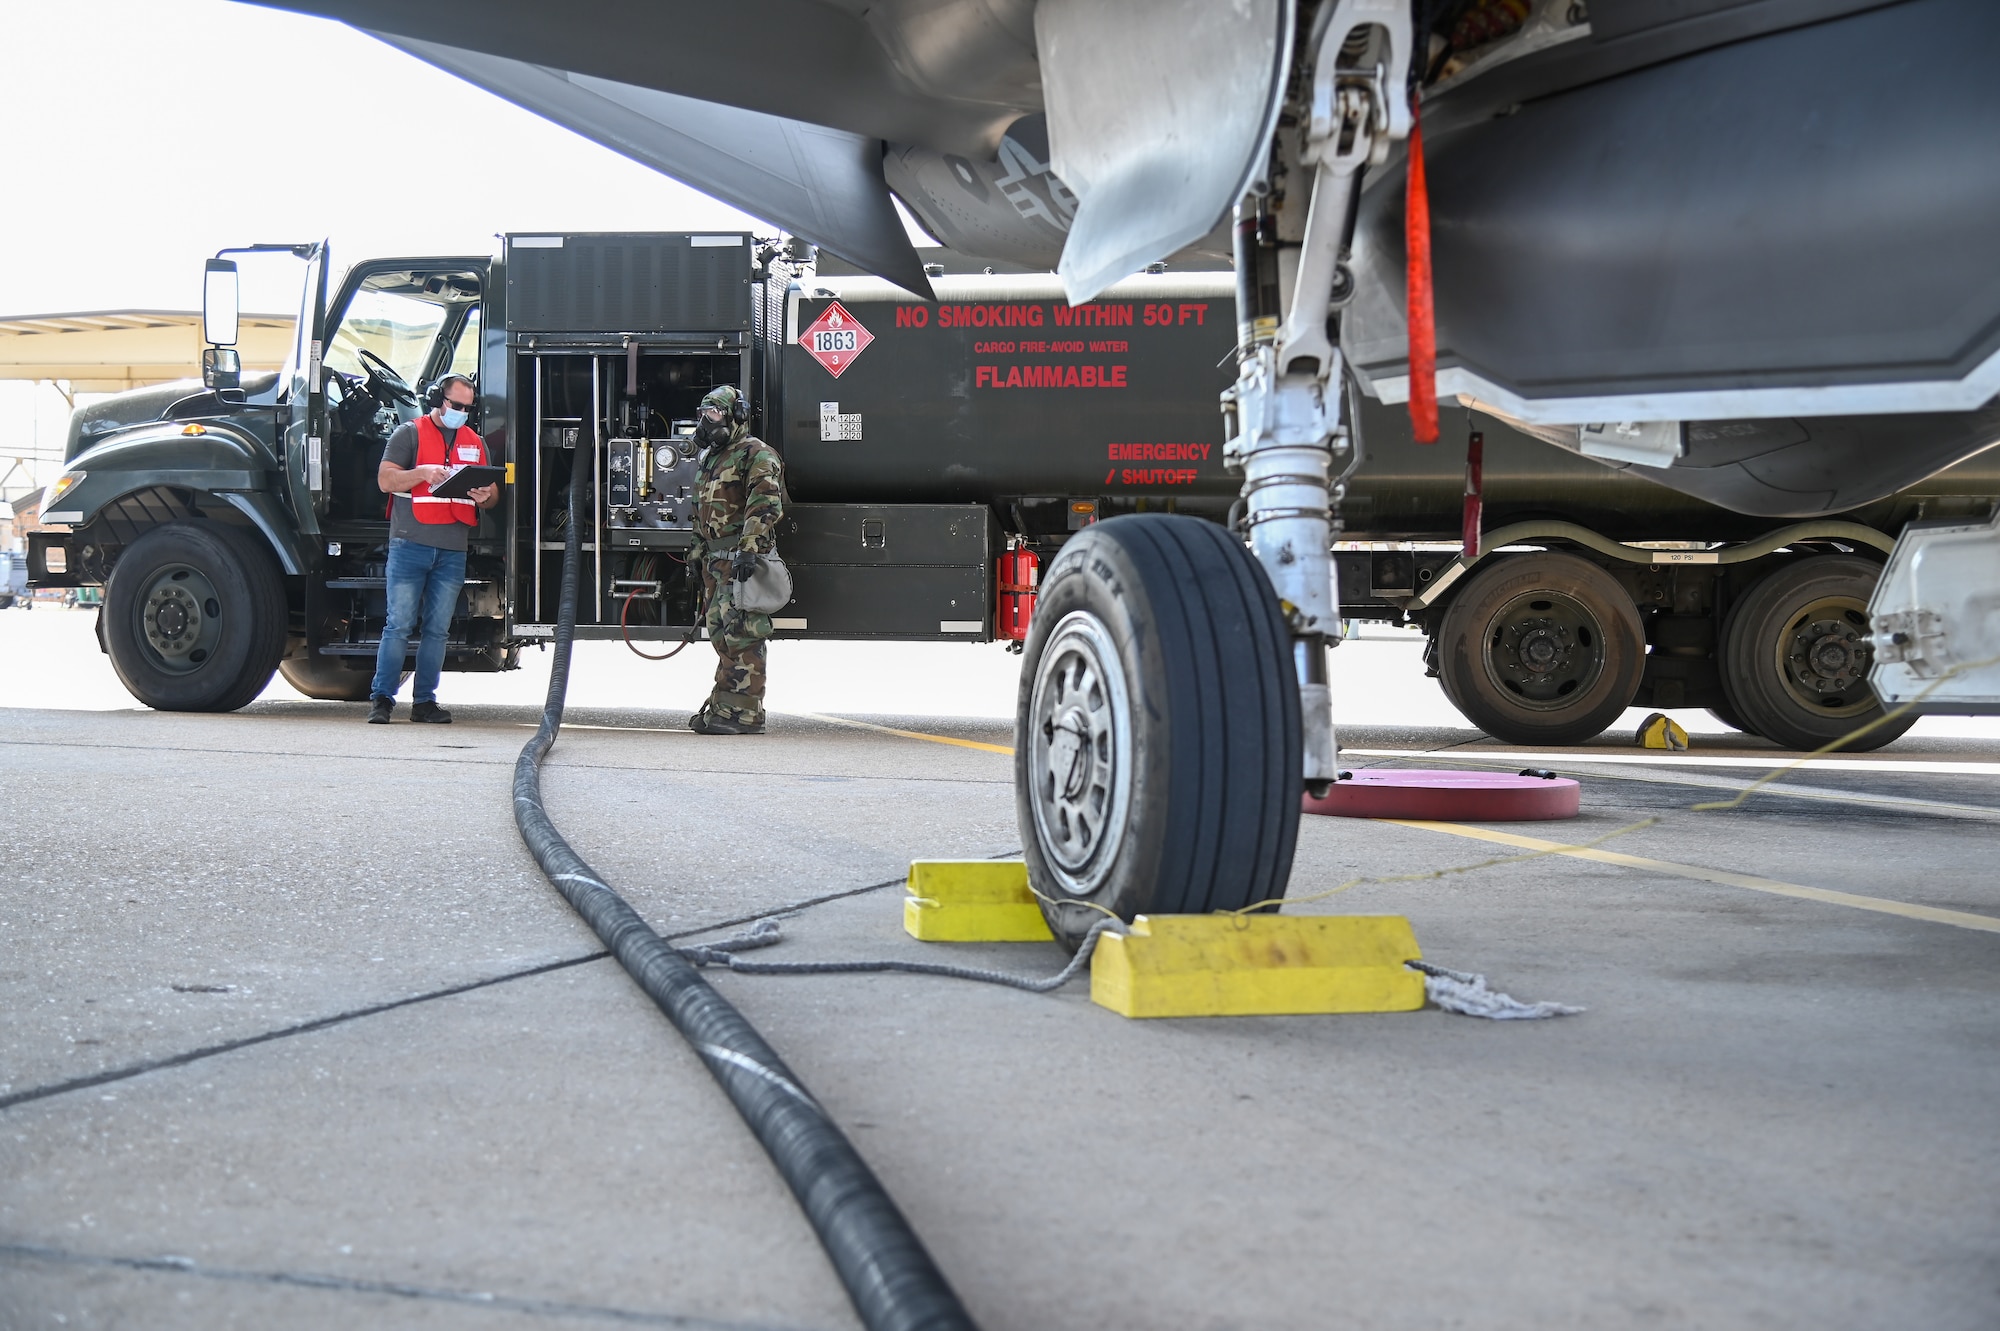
1541, 648
1795, 655
1157, 748
194, 617
325, 678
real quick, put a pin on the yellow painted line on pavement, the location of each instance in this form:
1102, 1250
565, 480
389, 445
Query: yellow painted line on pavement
1958, 918
908, 734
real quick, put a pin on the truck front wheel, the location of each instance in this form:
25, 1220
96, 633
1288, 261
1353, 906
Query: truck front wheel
194, 618
1541, 648
1157, 757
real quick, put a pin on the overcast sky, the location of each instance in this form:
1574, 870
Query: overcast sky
143, 135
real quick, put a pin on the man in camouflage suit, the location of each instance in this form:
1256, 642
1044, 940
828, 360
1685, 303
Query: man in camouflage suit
739, 497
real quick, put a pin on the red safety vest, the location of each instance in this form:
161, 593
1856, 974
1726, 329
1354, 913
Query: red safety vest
466, 447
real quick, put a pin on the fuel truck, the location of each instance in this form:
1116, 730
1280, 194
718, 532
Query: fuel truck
937, 455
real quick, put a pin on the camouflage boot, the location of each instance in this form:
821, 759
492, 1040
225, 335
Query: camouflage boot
727, 714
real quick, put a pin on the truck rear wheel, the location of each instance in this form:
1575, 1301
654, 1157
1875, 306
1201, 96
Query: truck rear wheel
1157, 746
1795, 655
1541, 648
194, 618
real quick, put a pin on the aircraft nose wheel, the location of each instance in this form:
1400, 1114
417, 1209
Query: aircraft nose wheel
1157, 754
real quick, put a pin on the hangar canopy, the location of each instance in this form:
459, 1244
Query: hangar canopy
108, 351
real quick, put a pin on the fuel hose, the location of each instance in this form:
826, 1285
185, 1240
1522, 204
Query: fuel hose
891, 1279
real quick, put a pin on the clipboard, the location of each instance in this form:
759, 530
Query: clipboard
470, 477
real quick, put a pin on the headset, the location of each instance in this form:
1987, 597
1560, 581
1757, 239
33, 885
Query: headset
434, 390
739, 405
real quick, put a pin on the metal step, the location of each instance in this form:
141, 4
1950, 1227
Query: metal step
452, 646
377, 584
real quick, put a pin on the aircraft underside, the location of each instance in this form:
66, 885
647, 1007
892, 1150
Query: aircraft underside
1741, 246
1761, 229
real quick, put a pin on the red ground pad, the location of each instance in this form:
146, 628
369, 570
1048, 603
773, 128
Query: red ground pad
1475, 797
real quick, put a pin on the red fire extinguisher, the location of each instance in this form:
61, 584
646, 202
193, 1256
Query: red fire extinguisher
1019, 573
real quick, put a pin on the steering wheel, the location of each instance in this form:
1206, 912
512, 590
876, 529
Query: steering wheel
383, 381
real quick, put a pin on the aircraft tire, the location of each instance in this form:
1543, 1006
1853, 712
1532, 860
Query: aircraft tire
1157, 743
1541, 648
194, 617
1795, 655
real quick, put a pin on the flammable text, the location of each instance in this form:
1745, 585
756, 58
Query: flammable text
1049, 376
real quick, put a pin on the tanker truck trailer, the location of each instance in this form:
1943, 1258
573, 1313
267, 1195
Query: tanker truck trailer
1591, 589
936, 452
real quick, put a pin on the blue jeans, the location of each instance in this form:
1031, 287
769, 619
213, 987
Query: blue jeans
421, 579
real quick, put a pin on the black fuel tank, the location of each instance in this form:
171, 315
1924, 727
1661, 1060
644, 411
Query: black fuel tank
1000, 390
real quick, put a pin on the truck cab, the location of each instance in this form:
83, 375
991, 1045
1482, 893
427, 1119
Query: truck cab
236, 525
238, 529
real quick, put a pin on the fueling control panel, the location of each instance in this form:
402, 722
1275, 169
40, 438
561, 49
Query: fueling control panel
649, 489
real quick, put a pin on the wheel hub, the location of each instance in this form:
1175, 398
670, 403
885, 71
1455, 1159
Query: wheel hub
1080, 752
171, 620
180, 618
1072, 760
1826, 656
1545, 649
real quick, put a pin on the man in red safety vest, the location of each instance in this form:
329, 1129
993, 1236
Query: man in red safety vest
427, 541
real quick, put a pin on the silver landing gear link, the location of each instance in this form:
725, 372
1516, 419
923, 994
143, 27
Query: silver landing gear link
1285, 409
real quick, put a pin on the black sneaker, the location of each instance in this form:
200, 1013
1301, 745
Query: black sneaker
381, 711
702, 723
429, 711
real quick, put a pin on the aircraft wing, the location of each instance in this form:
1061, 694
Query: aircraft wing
1157, 118
949, 74
1669, 220
820, 183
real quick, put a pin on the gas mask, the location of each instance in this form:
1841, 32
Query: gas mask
713, 428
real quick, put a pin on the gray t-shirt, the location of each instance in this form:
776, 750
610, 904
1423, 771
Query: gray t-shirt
402, 452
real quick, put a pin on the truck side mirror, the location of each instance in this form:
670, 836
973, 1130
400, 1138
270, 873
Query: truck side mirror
218, 306
221, 368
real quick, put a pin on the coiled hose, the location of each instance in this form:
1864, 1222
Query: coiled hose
894, 1284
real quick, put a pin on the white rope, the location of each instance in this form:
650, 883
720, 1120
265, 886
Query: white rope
1466, 994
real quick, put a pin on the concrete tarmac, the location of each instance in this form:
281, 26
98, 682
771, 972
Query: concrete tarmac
299, 1037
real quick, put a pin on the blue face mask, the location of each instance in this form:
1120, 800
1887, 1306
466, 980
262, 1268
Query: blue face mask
453, 418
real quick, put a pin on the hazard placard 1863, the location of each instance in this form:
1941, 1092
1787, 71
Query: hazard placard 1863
835, 339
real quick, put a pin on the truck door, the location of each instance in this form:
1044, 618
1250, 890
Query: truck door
304, 447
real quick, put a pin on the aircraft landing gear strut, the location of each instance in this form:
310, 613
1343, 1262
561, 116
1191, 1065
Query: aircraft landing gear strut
1285, 413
